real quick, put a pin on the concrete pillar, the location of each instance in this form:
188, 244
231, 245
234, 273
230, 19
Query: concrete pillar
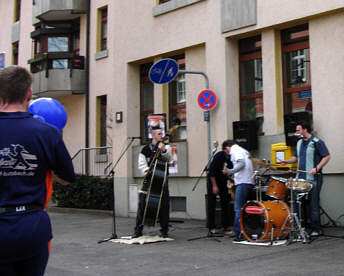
272, 82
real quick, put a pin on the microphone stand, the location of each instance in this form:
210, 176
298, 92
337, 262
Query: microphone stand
111, 174
205, 169
209, 235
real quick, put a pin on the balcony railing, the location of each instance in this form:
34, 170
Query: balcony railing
93, 161
66, 60
58, 74
57, 10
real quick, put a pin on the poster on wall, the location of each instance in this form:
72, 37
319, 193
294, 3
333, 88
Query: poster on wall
154, 121
2, 60
173, 165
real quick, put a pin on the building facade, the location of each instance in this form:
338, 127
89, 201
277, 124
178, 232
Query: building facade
265, 60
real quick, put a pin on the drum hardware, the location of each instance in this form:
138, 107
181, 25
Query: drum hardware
258, 179
296, 231
258, 184
272, 234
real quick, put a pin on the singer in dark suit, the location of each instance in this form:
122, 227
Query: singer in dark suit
217, 185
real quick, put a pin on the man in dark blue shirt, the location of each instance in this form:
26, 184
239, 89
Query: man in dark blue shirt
217, 185
312, 155
30, 151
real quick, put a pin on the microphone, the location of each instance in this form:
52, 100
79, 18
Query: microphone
134, 137
215, 144
298, 135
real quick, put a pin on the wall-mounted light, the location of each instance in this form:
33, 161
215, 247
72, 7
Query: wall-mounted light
119, 117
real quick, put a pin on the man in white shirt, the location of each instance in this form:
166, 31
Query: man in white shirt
243, 180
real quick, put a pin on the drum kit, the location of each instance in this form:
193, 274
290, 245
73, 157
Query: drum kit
275, 217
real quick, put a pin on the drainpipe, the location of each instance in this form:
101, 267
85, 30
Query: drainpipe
87, 98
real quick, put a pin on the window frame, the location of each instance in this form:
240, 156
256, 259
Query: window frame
288, 46
103, 21
15, 53
180, 59
101, 127
144, 78
249, 53
17, 10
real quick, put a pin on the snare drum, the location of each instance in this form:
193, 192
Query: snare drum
299, 185
277, 188
257, 219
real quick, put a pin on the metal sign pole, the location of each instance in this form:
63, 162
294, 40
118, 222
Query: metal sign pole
165, 71
207, 112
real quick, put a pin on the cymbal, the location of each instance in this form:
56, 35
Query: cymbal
263, 163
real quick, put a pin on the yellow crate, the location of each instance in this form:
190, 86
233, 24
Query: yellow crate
281, 151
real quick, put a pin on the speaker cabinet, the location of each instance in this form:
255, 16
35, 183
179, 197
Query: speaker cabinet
245, 134
218, 209
290, 123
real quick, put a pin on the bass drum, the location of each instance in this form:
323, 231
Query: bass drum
257, 219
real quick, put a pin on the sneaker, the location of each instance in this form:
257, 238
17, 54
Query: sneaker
164, 235
213, 231
315, 233
227, 230
239, 238
136, 235
231, 234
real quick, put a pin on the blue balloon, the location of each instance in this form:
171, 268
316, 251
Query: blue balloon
49, 110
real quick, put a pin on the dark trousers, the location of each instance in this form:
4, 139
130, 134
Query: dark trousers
34, 266
224, 200
164, 212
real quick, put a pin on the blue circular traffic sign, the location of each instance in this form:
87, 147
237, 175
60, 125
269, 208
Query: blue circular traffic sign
163, 71
207, 99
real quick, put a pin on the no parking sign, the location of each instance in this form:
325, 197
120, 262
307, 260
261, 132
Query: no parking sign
207, 99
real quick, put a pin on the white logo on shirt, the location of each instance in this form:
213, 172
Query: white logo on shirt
16, 158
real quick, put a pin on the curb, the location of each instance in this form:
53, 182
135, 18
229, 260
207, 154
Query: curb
56, 209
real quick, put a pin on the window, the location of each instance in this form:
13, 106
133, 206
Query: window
251, 80
17, 8
56, 45
163, 1
103, 28
177, 103
76, 41
59, 63
296, 70
146, 97
15, 53
101, 122
56, 37
178, 203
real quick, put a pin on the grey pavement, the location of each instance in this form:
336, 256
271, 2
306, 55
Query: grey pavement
75, 251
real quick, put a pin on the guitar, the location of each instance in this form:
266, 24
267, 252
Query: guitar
157, 176
231, 187
230, 184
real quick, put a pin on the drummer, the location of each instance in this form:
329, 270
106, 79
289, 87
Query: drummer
312, 155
